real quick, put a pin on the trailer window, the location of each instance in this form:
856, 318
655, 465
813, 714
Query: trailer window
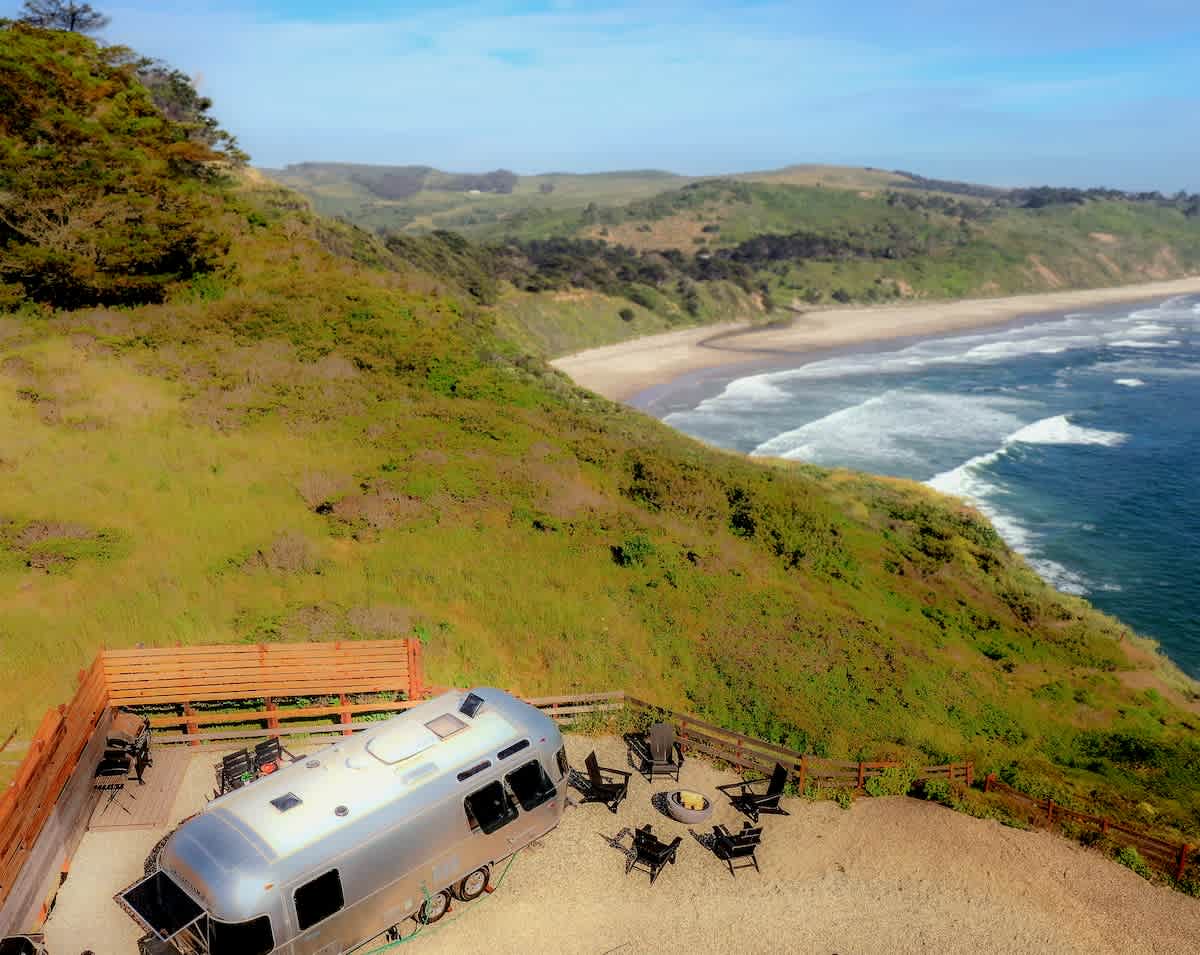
318, 899
240, 938
490, 809
530, 785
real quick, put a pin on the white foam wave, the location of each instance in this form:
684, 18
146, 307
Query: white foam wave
1149, 330
1129, 382
969, 481
1132, 343
1058, 430
900, 426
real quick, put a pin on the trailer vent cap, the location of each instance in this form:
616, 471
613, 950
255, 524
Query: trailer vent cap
341, 811
286, 801
470, 706
312, 764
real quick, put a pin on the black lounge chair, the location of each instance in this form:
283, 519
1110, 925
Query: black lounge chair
729, 846
236, 770
650, 853
746, 800
658, 753
609, 791
270, 753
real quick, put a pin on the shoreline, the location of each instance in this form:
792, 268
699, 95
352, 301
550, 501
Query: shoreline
627, 369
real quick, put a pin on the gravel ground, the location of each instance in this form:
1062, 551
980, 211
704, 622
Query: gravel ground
889, 875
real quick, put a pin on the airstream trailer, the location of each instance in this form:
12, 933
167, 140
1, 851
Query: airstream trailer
338, 848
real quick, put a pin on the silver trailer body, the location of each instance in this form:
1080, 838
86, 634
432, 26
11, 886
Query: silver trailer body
329, 852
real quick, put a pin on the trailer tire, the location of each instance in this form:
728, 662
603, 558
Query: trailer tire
474, 885
434, 907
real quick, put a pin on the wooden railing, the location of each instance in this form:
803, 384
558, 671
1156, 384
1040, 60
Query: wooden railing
54, 752
182, 677
746, 752
1170, 857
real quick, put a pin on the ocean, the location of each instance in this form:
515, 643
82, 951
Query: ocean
1077, 434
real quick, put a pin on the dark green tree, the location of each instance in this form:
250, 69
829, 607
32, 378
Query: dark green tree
60, 15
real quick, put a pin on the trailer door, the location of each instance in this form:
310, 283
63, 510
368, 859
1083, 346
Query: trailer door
164, 909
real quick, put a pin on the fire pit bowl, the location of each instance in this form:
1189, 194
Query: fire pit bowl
689, 807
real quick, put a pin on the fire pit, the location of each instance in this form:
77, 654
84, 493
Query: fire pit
689, 807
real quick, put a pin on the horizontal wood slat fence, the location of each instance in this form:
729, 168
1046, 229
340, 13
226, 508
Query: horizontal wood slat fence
318, 689
746, 752
182, 677
1171, 857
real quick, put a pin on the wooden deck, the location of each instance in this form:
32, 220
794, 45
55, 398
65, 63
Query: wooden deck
147, 806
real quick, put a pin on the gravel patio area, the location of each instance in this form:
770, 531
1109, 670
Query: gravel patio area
889, 875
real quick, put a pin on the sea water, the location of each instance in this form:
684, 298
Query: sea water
1078, 435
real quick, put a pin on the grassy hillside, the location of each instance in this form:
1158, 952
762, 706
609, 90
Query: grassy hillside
791, 239
310, 440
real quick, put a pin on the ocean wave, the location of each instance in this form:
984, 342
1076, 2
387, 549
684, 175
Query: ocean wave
1059, 430
1132, 343
1129, 382
970, 482
900, 426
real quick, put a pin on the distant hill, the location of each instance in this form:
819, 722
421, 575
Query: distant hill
664, 250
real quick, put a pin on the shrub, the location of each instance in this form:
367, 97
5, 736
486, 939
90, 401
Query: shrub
938, 790
627, 314
843, 797
633, 550
1129, 857
893, 781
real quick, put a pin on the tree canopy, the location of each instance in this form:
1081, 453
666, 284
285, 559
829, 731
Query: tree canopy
104, 198
59, 15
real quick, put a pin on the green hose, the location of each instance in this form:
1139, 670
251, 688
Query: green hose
404, 940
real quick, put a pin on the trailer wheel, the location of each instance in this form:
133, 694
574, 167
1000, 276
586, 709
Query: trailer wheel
473, 886
434, 908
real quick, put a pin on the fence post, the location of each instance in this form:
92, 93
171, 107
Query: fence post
987, 782
803, 773
683, 735
739, 757
970, 774
272, 722
1181, 861
861, 774
1049, 809
190, 728
1104, 826
950, 772
344, 715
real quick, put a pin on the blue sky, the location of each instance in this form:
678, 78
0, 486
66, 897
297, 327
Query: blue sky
1010, 93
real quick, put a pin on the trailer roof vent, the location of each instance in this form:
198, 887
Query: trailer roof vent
286, 801
470, 706
446, 725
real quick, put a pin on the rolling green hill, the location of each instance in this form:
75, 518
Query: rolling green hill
751, 245
303, 435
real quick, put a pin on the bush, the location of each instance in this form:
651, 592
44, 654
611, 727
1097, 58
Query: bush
633, 550
843, 797
938, 790
1129, 857
627, 314
893, 781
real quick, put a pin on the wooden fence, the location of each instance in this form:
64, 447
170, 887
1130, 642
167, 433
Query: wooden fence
182, 677
389, 671
1170, 857
31, 798
746, 752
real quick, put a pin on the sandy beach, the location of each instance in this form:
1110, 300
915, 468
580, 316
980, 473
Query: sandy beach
623, 370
